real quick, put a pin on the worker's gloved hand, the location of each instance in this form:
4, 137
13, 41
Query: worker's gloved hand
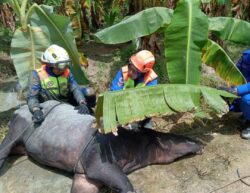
232, 89
38, 116
82, 109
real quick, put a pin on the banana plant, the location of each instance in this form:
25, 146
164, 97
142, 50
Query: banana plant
122, 107
39, 29
226, 28
187, 46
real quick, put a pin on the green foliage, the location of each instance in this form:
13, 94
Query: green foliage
130, 83
215, 56
3, 132
5, 39
114, 11
26, 50
58, 29
29, 41
110, 17
53, 3
5, 117
186, 47
205, 1
126, 53
231, 29
141, 24
184, 40
183, 49
122, 107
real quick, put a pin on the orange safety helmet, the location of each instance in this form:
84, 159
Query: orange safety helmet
143, 60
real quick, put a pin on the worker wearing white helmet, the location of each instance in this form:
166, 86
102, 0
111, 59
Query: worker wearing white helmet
54, 81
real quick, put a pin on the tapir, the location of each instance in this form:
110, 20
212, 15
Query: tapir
68, 141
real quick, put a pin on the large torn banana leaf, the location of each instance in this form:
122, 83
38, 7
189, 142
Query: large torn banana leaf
141, 24
185, 37
121, 107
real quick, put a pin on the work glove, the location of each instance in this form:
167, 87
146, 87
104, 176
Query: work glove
38, 116
82, 109
232, 89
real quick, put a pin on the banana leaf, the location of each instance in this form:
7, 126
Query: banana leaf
185, 37
26, 50
216, 57
59, 31
141, 24
231, 29
28, 45
205, 1
121, 107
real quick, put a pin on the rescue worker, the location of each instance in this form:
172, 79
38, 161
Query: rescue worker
137, 73
54, 81
243, 104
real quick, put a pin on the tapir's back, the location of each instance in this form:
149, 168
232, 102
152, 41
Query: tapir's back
59, 140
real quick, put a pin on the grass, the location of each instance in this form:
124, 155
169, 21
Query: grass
4, 119
3, 132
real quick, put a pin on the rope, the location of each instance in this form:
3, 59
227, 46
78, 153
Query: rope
240, 179
29, 125
25, 129
44, 118
238, 173
83, 150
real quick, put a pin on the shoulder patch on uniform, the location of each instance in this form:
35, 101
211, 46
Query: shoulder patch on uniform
50, 83
120, 82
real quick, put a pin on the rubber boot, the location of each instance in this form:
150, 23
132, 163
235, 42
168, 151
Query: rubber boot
245, 133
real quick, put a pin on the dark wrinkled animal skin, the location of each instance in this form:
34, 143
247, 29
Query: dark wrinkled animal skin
59, 142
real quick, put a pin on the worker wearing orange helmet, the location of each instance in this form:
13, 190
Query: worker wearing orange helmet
138, 71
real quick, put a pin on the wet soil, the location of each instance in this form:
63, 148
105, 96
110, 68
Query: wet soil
224, 153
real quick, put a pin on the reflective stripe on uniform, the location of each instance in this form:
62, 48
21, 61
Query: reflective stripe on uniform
148, 77
56, 85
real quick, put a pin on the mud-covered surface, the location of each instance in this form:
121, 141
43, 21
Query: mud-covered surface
224, 153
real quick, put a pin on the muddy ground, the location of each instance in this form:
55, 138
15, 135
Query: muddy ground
224, 150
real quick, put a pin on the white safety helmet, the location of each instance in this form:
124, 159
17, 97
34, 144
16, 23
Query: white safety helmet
56, 56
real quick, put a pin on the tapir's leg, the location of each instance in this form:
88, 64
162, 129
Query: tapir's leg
109, 174
81, 184
6, 147
18, 124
